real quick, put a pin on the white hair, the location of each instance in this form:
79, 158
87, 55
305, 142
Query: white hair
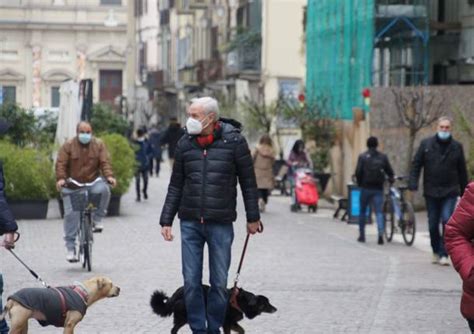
209, 104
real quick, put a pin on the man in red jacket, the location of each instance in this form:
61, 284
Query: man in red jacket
458, 236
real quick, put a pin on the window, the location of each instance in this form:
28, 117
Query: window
9, 94
111, 2
55, 97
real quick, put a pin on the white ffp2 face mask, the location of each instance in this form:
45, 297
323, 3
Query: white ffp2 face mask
193, 126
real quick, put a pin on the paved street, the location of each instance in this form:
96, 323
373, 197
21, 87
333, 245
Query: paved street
310, 266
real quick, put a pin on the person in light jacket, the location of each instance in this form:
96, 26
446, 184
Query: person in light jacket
263, 160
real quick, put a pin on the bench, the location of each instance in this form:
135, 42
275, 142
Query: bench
342, 204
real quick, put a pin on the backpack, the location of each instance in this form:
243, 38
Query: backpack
373, 170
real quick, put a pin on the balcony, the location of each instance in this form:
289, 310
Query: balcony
208, 70
155, 80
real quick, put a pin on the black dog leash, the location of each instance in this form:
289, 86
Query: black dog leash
235, 289
32, 272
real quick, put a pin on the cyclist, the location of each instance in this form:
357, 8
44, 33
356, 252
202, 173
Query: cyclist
372, 166
83, 158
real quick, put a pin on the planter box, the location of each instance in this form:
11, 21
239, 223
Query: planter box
113, 209
29, 209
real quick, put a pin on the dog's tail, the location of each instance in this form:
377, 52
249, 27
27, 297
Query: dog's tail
160, 304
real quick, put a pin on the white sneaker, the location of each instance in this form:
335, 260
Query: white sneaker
435, 259
71, 256
444, 261
97, 227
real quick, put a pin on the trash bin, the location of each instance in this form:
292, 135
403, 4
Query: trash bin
353, 196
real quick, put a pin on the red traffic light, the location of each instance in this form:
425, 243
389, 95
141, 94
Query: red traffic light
366, 92
301, 97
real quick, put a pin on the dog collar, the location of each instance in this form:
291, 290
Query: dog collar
81, 291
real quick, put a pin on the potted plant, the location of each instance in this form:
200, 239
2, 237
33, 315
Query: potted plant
29, 180
122, 158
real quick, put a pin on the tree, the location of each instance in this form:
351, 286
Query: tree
418, 108
261, 117
466, 131
317, 124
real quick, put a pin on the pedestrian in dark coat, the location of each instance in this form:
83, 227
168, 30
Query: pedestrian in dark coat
444, 179
154, 137
8, 226
142, 157
373, 167
209, 161
171, 136
458, 236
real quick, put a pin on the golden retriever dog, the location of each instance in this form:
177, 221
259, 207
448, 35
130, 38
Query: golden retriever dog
60, 306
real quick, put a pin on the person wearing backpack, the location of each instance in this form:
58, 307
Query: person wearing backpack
371, 171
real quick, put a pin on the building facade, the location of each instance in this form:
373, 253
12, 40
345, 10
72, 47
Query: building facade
45, 42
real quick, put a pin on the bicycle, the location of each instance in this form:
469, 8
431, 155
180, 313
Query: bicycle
86, 204
397, 208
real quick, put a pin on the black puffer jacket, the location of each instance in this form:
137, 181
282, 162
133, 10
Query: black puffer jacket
203, 186
7, 221
444, 167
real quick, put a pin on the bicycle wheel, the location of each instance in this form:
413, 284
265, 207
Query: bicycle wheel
81, 238
88, 243
389, 217
408, 224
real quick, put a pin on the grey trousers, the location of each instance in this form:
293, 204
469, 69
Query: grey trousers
72, 218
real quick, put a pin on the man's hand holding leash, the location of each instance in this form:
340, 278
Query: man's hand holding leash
9, 240
254, 227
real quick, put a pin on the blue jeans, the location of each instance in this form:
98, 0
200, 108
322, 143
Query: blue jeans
368, 196
219, 239
439, 209
3, 324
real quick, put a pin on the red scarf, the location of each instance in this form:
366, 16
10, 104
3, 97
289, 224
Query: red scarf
205, 141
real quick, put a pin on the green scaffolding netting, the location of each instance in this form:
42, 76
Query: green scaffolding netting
339, 51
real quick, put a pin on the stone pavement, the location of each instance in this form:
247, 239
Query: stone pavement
309, 265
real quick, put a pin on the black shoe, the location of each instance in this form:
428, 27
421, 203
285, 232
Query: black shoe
138, 199
361, 239
380, 242
145, 195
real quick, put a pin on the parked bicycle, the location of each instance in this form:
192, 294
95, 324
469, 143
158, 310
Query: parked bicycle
399, 214
84, 203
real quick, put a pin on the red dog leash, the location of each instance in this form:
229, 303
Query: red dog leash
235, 289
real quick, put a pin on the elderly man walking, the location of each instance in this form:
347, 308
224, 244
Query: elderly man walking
209, 159
444, 179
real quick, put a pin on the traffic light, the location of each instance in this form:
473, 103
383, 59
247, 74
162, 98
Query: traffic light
366, 95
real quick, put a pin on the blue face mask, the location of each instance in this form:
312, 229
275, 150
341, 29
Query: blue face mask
444, 135
85, 138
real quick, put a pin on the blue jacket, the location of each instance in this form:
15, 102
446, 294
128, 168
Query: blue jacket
7, 221
155, 142
142, 154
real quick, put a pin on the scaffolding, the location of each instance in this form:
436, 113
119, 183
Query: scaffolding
352, 44
401, 43
339, 53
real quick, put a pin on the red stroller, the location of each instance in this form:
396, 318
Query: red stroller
305, 191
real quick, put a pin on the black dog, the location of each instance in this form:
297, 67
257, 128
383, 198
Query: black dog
249, 304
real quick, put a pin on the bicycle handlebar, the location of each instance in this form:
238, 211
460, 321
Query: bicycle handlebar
70, 180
